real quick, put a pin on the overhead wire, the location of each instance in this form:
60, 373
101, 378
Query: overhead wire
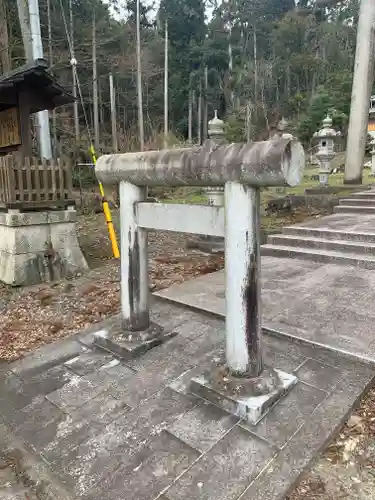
106, 209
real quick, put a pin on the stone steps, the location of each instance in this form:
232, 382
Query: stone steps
344, 246
328, 234
357, 202
338, 257
355, 209
365, 195
323, 244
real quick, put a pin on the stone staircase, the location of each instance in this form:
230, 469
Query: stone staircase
322, 240
358, 203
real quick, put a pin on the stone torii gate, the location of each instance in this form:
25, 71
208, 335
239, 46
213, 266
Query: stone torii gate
242, 169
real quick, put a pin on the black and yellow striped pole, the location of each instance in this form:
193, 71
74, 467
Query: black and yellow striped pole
107, 212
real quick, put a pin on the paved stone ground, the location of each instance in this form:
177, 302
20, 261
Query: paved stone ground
326, 304
109, 430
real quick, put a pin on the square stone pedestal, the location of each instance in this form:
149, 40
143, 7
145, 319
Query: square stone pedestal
127, 344
249, 399
37, 247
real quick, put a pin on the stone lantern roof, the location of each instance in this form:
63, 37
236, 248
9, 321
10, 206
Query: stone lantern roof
216, 128
326, 131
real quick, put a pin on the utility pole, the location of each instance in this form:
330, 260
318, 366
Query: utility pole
42, 117
113, 114
4, 39
139, 81
199, 124
101, 110
95, 85
205, 109
74, 77
23, 15
361, 93
166, 85
248, 121
190, 118
50, 58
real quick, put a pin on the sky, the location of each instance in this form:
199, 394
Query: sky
151, 2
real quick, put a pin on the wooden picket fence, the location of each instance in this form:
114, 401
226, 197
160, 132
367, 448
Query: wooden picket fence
33, 184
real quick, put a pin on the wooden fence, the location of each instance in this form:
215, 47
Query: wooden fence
34, 183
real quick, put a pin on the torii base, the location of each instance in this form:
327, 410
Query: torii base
247, 398
126, 344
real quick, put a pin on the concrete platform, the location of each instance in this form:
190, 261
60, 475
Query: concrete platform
326, 304
104, 429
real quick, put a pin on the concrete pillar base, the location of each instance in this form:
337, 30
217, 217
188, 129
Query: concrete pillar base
247, 398
126, 344
37, 247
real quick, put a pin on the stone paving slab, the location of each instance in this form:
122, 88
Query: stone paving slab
326, 304
136, 432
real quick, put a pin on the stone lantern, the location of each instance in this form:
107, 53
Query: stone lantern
373, 158
215, 194
326, 149
216, 133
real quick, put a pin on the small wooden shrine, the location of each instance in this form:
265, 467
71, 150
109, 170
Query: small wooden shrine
24, 91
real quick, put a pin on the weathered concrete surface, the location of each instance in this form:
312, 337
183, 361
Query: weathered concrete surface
326, 304
39, 246
268, 163
106, 430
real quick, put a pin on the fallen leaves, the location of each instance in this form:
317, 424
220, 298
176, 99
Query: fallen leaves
38, 315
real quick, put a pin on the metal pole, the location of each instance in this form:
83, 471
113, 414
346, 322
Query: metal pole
134, 261
199, 124
248, 122
95, 85
242, 280
23, 14
74, 78
361, 93
139, 81
205, 108
190, 118
4, 39
37, 53
166, 86
50, 57
113, 114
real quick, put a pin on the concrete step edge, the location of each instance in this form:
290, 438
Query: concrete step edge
290, 237
355, 206
294, 230
356, 200
315, 252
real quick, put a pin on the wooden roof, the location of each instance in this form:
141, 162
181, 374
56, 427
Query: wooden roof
44, 91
